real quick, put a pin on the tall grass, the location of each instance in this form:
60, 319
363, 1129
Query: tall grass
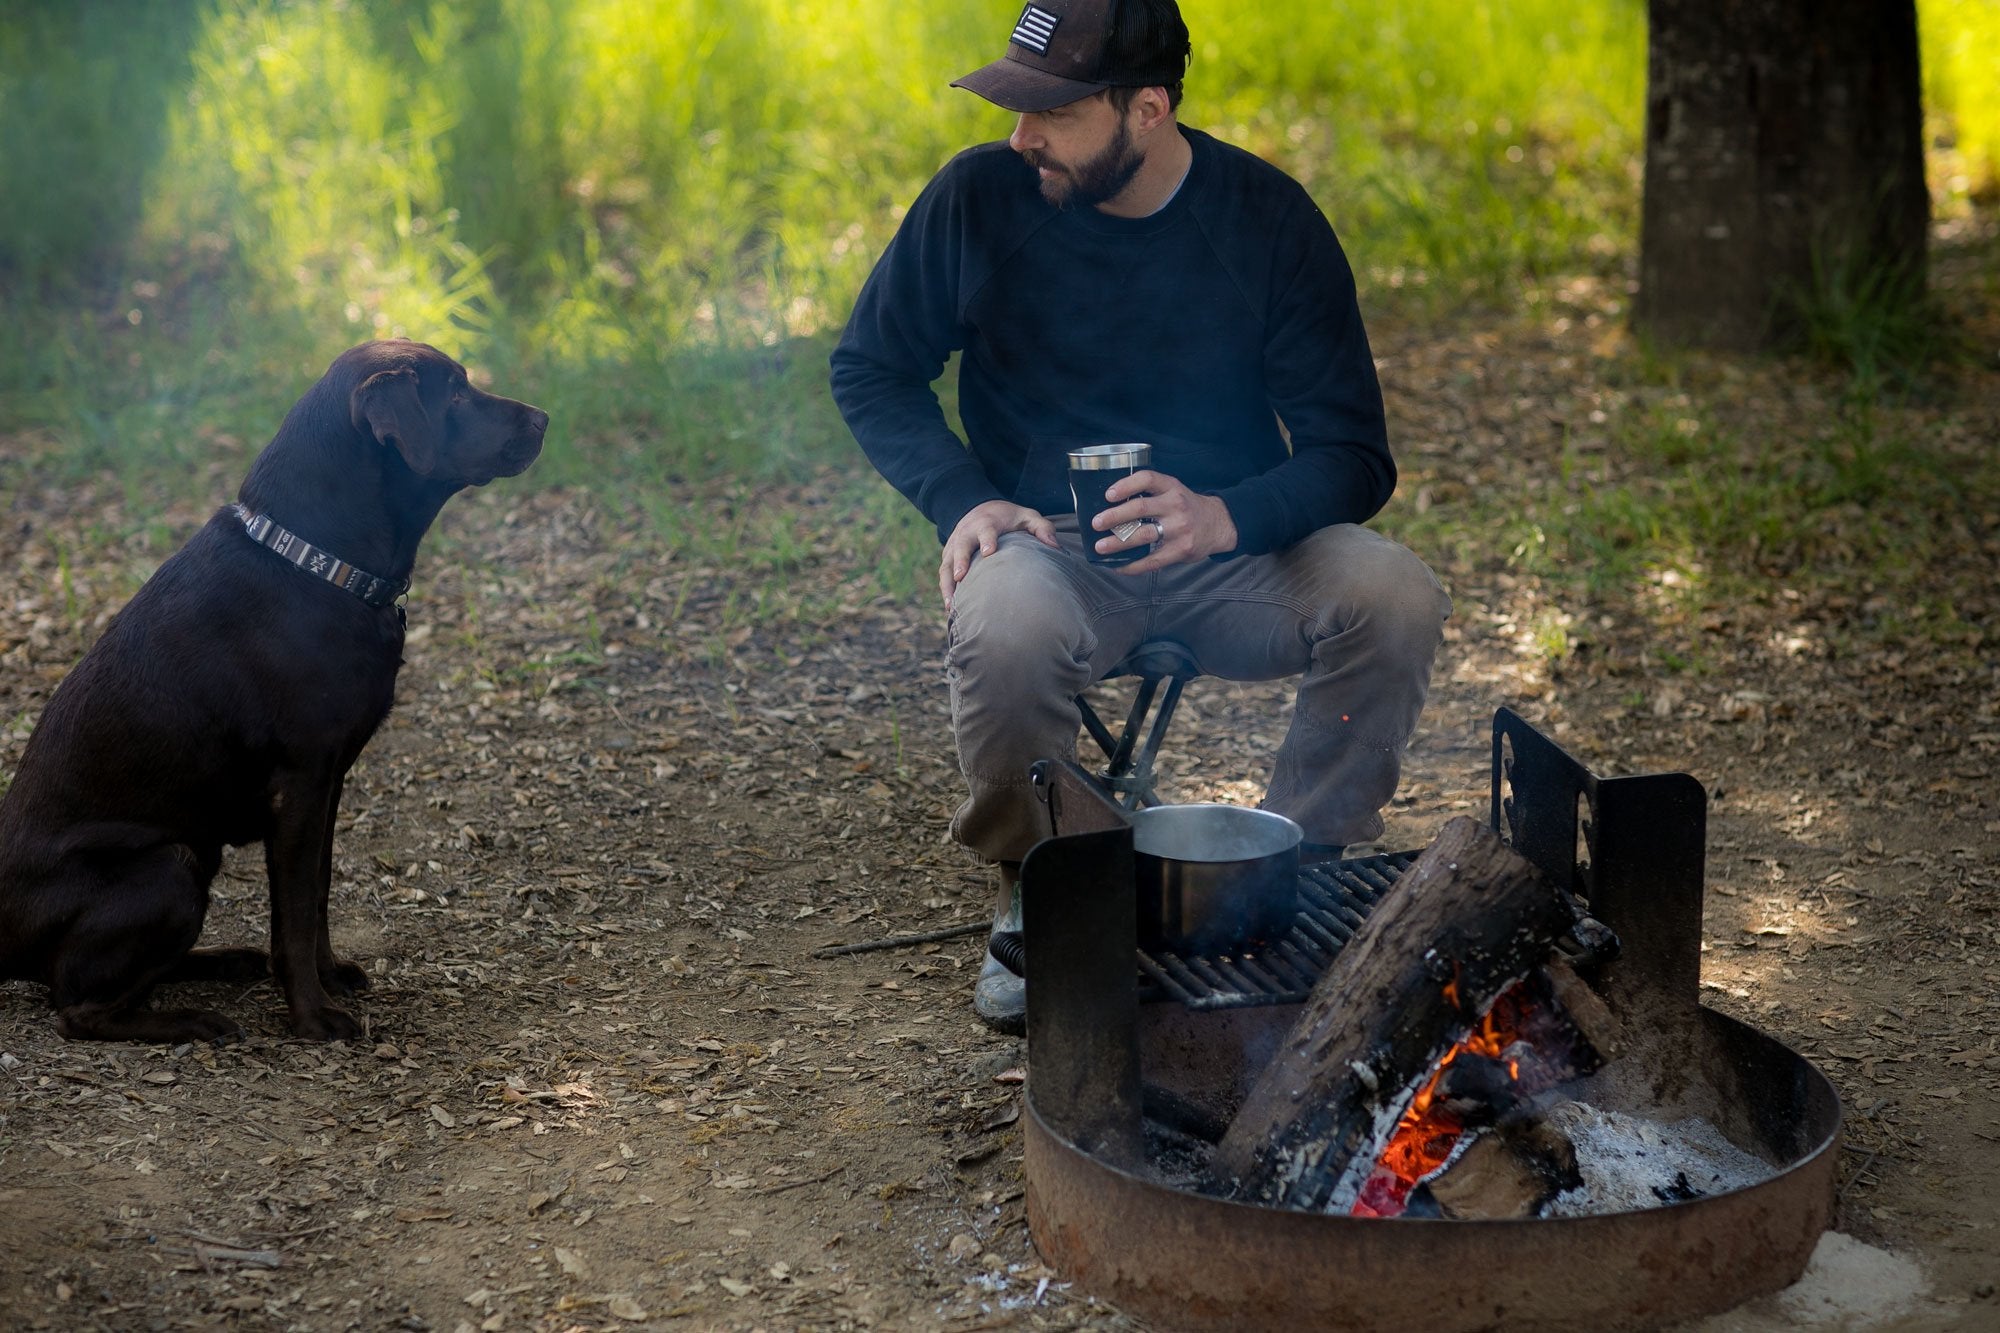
639, 206
649, 215
1960, 40
1461, 150
82, 92
623, 180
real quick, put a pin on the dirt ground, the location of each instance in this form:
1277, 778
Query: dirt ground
589, 860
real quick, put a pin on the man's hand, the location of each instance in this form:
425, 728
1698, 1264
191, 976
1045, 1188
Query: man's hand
978, 533
1182, 525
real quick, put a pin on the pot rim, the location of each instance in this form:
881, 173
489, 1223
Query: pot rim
1235, 833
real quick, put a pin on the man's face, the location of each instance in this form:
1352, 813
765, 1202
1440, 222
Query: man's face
1083, 151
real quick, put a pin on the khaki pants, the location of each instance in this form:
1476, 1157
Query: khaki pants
1353, 613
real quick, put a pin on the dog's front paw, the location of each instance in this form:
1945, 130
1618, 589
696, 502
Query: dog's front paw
328, 1023
345, 979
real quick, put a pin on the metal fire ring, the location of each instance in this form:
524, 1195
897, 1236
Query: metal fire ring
1632, 847
1188, 1261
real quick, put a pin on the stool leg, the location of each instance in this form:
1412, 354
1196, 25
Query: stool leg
1142, 766
1094, 724
1121, 761
1128, 772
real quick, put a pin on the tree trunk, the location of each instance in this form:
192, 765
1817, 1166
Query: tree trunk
1780, 135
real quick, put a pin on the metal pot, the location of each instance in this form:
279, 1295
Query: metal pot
1212, 876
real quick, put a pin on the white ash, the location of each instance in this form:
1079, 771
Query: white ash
1629, 1162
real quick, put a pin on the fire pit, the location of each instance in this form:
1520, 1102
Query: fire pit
1131, 1064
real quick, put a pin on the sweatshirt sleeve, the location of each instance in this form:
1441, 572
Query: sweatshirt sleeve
1321, 378
904, 327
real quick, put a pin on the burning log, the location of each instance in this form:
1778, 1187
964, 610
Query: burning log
1469, 918
1515, 1171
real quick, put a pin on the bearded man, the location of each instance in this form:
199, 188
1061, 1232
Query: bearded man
1108, 275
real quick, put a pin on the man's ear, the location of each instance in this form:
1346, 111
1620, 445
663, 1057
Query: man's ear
386, 405
1151, 108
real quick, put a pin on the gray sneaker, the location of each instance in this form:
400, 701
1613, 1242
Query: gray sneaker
1000, 996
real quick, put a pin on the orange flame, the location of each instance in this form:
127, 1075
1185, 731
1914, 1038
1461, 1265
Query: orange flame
1428, 1132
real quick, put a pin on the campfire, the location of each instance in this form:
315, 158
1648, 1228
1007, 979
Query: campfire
1522, 1046
1498, 1033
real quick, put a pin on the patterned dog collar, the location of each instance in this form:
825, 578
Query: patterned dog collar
370, 588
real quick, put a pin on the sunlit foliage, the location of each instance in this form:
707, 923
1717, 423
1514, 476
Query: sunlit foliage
619, 192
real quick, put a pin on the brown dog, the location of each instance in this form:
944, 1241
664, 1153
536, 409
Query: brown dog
226, 702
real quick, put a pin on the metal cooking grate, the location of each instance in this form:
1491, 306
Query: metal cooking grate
1334, 898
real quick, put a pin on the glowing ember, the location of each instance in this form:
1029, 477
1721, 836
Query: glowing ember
1521, 1046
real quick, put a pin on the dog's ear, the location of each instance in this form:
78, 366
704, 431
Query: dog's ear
387, 406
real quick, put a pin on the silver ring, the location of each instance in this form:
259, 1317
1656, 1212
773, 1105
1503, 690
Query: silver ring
1160, 528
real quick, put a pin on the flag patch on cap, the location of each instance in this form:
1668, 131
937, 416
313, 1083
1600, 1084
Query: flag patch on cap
1035, 29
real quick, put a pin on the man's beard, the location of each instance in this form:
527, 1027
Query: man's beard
1094, 182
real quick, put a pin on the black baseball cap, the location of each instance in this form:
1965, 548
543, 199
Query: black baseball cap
1064, 50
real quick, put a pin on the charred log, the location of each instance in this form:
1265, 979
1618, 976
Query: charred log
1476, 1090
1468, 918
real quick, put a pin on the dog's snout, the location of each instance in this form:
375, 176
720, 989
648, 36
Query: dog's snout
538, 420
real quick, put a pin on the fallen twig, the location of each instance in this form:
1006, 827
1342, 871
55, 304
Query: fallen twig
809, 1180
897, 942
1859, 1172
209, 1254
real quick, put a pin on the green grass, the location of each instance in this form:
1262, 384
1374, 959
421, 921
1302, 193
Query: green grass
83, 89
1878, 323
650, 216
1689, 513
617, 196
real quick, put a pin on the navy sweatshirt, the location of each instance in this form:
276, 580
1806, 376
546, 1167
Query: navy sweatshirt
1196, 329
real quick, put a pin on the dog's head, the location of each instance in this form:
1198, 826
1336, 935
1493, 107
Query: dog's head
416, 400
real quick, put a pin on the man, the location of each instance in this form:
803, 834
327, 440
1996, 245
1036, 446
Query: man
1109, 275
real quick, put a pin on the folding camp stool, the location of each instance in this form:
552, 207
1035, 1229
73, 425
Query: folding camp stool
1128, 772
